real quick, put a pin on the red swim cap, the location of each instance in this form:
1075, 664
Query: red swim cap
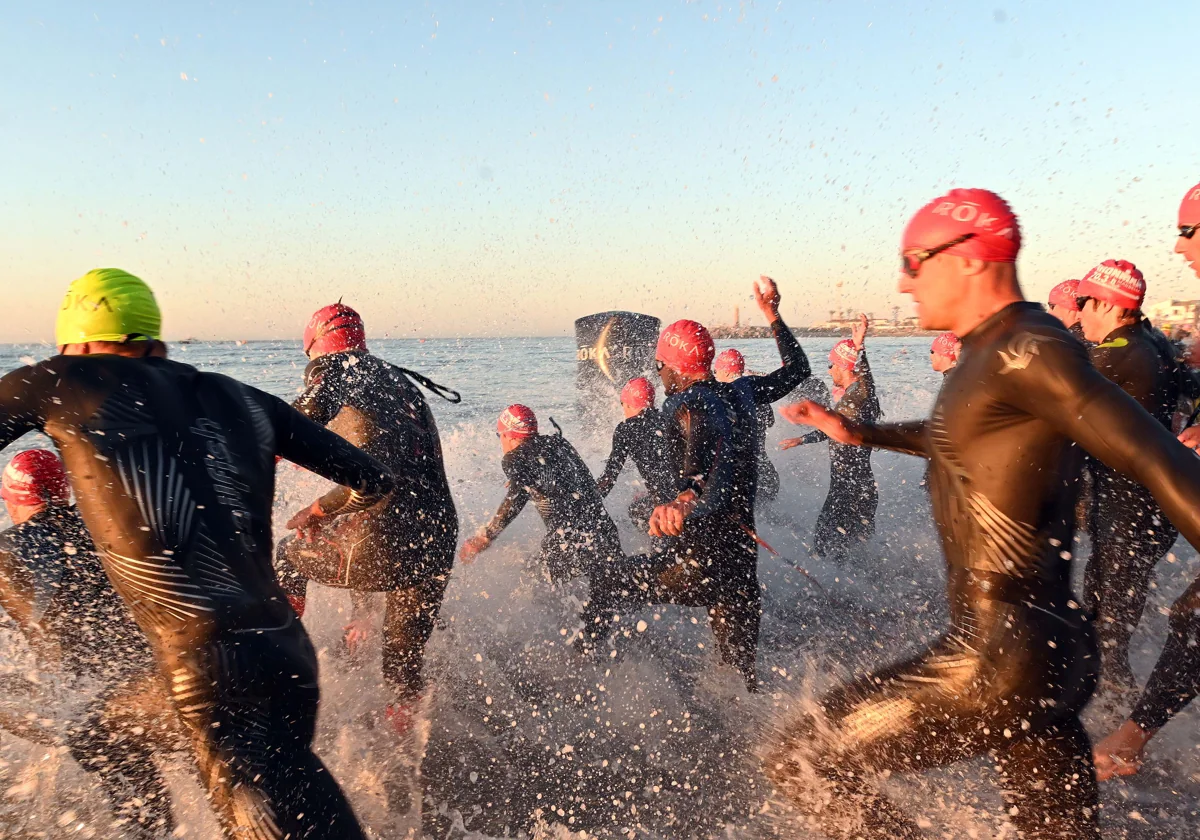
1115, 281
730, 363
843, 354
685, 347
997, 234
637, 394
1066, 294
334, 329
946, 344
1189, 208
518, 421
34, 477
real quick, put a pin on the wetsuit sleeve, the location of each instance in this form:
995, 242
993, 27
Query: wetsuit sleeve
813, 437
321, 400
1059, 386
22, 395
616, 460
17, 595
364, 481
515, 497
906, 438
778, 384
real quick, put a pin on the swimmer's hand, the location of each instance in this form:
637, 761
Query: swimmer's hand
667, 520
356, 633
859, 333
1190, 437
766, 295
809, 413
1120, 754
791, 443
471, 548
306, 519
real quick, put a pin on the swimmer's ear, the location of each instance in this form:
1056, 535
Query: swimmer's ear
971, 266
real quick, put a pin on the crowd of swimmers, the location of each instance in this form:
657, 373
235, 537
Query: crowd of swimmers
164, 581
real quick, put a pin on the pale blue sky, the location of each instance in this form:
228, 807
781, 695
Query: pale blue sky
501, 168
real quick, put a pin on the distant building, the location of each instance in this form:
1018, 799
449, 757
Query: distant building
1173, 314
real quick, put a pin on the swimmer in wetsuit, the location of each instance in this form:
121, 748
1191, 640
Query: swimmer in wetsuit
53, 586
1129, 532
848, 515
729, 366
581, 538
1175, 680
711, 557
403, 545
174, 475
943, 353
639, 437
1018, 661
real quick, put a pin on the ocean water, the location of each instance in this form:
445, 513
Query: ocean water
522, 739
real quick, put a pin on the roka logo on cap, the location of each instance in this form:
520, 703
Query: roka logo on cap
1115, 281
946, 344
686, 347
1066, 295
993, 230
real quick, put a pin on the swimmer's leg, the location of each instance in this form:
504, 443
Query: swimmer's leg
1049, 784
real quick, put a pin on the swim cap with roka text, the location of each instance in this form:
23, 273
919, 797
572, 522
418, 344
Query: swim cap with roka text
334, 329
997, 234
108, 304
1115, 281
1066, 294
35, 477
685, 347
946, 344
730, 363
844, 354
1189, 208
637, 394
517, 421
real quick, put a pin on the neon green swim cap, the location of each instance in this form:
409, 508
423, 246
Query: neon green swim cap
108, 304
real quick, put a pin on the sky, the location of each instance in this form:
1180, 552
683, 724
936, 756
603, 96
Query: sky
502, 168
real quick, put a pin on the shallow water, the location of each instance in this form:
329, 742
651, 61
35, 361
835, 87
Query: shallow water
657, 741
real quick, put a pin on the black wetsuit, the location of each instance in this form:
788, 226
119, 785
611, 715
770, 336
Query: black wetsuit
848, 515
53, 586
1018, 661
768, 476
713, 439
641, 438
1129, 532
404, 545
174, 473
581, 538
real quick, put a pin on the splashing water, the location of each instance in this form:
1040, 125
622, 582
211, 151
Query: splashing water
653, 738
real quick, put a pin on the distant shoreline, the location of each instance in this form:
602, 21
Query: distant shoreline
727, 332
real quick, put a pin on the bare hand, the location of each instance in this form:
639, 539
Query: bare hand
472, 547
859, 333
1190, 437
766, 295
1120, 754
791, 443
356, 633
809, 413
667, 520
307, 519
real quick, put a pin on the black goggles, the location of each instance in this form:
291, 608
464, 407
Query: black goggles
659, 364
1188, 231
910, 263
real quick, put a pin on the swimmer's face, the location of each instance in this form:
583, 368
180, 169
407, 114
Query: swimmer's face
937, 290
1189, 249
1095, 320
842, 377
941, 362
1069, 317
